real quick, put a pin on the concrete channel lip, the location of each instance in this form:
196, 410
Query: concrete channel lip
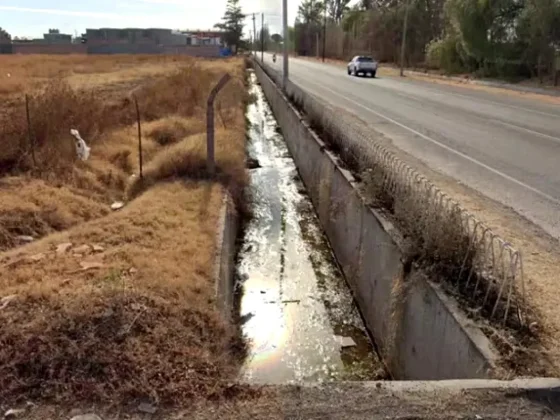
464, 384
521, 384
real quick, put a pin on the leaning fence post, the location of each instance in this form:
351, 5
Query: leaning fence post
29, 134
210, 162
140, 162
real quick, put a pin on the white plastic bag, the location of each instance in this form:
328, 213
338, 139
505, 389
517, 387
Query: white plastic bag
82, 149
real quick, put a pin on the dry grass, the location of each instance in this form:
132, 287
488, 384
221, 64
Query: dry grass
187, 159
141, 322
28, 72
173, 129
143, 325
172, 107
28, 209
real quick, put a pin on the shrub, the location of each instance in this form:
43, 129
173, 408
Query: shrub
444, 54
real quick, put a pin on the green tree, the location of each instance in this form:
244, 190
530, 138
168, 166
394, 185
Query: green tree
337, 9
310, 12
539, 31
232, 24
263, 38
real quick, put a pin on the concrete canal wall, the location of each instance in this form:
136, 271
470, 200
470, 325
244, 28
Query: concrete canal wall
420, 332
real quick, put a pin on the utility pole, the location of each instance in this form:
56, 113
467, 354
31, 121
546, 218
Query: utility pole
262, 37
254, 36
405, 28
286, 42
325, 30
317, 44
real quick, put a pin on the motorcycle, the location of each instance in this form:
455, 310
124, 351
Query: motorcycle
274, 58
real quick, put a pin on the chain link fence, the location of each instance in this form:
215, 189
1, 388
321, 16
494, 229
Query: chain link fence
480, 266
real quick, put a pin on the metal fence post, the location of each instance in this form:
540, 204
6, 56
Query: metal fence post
140, 157
29, 132
210, 161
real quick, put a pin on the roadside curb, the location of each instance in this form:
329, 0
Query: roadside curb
496, 84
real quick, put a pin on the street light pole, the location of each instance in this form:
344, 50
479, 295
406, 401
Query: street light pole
254, 36
262, 37
324, 30
286, 42
405, 28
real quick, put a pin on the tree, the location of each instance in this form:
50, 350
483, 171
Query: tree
276, 38
232, 24
365, 4
263, 37
308, 26
539, 30
310, 11
5, 36
337, 9
497, 38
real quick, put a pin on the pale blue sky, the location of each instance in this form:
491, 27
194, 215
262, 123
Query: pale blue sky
34, 17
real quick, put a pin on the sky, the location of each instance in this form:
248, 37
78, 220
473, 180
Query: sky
32, 18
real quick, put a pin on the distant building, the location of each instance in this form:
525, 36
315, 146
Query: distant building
152, 36
55, 37
198, 37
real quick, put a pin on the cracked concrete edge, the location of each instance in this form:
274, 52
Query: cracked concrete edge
519, 384
465, 384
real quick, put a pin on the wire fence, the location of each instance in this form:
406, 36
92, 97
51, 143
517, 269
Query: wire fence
487, 271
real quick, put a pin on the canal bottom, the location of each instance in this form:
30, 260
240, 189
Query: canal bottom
297, 312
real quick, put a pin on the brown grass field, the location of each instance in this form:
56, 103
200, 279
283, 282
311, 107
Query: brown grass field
104, 306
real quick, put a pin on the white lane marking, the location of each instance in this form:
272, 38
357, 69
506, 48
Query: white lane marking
537, 133
490, 120
444, 146
472, 98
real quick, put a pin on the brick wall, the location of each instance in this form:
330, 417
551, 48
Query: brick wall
49, 49
114, 48
192, 50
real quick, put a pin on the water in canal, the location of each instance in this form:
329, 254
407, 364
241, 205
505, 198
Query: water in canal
297, 311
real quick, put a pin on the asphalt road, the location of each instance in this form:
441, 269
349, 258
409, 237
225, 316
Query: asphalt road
505, 146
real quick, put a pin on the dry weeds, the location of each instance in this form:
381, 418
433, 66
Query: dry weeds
128, 311
141, 325
172, 107
28, 72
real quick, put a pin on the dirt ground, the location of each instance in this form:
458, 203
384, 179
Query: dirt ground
336, 401
103, 305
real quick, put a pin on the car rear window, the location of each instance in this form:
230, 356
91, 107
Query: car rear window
365, 59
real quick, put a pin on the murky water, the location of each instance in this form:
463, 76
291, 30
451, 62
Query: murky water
297, 310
